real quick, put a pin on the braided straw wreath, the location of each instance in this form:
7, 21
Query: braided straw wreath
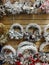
3, 35
26, 50
14, 34
9, 56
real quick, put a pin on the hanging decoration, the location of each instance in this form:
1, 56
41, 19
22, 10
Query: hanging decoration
35, 34
14, 34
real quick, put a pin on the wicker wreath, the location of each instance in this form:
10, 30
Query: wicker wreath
34, 35
25, 45
25, 51
9, 53
15, 34
44, 56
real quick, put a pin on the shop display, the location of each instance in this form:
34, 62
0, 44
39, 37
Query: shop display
26, 53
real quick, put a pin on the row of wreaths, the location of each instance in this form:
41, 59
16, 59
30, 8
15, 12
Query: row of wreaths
31, 33
24, 6
26, 53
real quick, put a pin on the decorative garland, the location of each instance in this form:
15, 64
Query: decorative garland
18, 7
3, 34
22, 7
